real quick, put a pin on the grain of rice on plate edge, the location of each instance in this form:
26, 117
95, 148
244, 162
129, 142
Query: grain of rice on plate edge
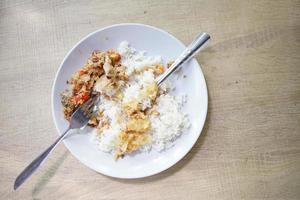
133, 112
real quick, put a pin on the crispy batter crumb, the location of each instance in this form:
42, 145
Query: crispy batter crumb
170, 63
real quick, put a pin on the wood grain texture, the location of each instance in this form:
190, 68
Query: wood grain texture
250, 146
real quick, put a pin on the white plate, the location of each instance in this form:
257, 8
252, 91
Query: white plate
155, 42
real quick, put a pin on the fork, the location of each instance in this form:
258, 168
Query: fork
78, 120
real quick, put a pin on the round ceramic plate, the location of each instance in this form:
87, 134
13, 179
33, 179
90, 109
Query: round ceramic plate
155, 42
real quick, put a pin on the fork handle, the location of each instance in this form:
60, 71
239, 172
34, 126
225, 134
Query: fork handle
187, 54
31, 168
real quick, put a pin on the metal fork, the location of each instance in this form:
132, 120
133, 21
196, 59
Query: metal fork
78, 119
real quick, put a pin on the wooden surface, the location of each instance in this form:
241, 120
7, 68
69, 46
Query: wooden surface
250, 146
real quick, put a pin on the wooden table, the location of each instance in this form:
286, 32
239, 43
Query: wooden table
250, 146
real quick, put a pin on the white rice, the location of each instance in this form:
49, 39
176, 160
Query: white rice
169, 124
166, 127
106, 141
136, 60
133, 91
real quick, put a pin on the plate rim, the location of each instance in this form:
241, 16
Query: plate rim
154, 171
